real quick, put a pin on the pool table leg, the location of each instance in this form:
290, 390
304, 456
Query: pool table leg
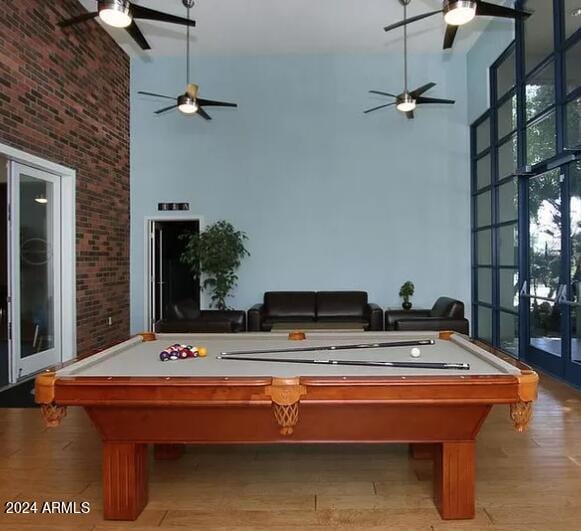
125, 480
454, 478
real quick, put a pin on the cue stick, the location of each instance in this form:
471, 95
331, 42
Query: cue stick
363, 363
415, 343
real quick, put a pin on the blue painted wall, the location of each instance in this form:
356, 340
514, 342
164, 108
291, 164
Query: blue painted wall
330, 198
498, 35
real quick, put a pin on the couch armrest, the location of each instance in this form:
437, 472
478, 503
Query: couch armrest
374, 314
432, 324
255, 316
392, 316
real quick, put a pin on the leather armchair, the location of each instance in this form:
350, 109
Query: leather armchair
445, 314
184, 317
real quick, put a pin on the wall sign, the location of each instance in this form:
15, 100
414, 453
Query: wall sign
173, 206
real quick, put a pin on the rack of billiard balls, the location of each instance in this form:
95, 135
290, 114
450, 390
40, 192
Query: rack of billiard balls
182, 352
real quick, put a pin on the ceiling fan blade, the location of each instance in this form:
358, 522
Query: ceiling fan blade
484, 9
156, 95
76, 20
409, 115
138, 37
433, 100
204, 114
165, 109
424, 88
379, 107
450, 36
212, 103
382, 93
410, 20
150, 14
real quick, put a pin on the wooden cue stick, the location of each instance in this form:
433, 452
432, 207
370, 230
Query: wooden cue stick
363, 363
414, 343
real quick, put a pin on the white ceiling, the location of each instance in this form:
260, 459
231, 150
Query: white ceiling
257, 27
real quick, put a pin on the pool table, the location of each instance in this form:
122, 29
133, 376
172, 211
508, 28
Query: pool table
134, 399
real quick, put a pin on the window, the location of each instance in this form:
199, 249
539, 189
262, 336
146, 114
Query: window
506, 117
483, 209
572, 17
484, 247
538, 33
573, 120
540, 91
541, 139
483, 170
507, 201
507, 157
483, 136
485, 323
485, 285
522, 181
495, 204
506, 75
573, 67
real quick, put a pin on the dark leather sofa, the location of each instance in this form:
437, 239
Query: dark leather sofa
323, 307
446, 314
184, 317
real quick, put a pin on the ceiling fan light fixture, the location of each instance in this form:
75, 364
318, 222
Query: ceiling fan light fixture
116, 13
187, 104
459, 12
41, 198
406, 103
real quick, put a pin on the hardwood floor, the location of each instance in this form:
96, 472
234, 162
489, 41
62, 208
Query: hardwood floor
526, 481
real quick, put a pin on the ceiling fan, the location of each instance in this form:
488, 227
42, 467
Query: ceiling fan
188, 102
122, 14
407, 101
460, 12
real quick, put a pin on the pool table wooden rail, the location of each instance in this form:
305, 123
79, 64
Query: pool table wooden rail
51, 391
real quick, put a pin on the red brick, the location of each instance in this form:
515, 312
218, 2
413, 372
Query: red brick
64, 96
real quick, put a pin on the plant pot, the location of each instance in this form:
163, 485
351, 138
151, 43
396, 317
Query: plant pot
406, 305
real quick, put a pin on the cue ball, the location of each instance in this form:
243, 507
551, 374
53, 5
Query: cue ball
415, 353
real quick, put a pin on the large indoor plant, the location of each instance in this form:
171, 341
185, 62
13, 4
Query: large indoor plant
213, 256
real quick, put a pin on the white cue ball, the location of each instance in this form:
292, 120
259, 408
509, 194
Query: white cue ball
415, 353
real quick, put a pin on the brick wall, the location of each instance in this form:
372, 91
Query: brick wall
64, 96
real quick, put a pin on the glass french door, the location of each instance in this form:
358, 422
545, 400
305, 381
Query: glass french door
571, 297
553, 287
34, 293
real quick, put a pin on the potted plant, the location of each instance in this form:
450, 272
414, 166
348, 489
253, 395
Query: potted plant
215, 254
405, 292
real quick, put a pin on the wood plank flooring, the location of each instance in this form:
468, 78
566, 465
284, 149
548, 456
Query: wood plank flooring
526, 481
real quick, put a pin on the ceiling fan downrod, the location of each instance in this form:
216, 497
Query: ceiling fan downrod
187, 102
406, 103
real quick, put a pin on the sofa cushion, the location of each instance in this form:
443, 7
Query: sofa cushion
349, 304
448, 307
279, 304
